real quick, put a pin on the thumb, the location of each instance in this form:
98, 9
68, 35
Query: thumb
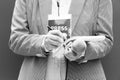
79, 45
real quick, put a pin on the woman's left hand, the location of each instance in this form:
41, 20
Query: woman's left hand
75, 47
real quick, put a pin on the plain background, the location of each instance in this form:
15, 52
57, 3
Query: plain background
10, 63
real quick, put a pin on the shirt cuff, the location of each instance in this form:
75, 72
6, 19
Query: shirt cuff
43, 46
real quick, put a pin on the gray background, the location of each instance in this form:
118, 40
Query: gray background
10, 63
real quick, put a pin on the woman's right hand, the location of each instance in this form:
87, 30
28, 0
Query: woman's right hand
53, 39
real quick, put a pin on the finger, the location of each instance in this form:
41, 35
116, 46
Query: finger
56, 32
52, 42
78, 46
64, 36
79, 42
50, 47
68, 51
55, 38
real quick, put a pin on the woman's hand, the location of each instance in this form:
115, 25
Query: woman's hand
75, 48
53, 39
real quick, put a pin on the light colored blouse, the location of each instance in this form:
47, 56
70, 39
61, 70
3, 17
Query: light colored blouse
64, 6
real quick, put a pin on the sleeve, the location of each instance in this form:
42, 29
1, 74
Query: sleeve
104, 25
21, 41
